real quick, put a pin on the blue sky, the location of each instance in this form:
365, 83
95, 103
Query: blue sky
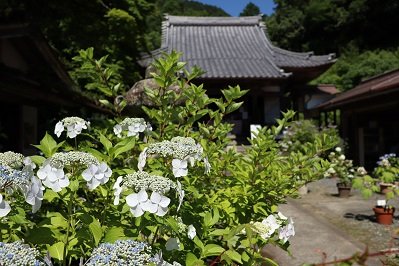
234, 7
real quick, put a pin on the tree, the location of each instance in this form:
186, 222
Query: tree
250, 10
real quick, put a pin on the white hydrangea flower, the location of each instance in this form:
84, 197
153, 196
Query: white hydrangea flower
29, 164
179, 167
74, 126
133, 126
34, 194
4, 207
338, 149
341, 157
281, 216
136, 202
52, 177
286, 231
142, 159
96, 175
157, 204
181, 194
272, 223
135, 129
118, 130
59, 128
191, 232
172, 244
118, 190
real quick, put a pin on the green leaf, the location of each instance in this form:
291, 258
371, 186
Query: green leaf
96, 231
50, 195
199, 243
125, 145
106, 103
232, 107
212, 250
40, 235
192, 260
59, 222
234, 255
104, 141
37, 159
57, 250
74, 185
48, 145
113, 234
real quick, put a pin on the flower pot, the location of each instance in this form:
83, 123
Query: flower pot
385, 188
344, 190
384, 215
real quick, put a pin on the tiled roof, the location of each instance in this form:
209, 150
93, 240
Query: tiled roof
230, 47
368, 88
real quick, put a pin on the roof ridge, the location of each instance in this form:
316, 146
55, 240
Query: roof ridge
195, 20
381, 75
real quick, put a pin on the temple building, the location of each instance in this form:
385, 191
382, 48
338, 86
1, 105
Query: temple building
368, 117
237, 51
34, 86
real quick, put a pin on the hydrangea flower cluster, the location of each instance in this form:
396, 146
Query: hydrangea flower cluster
272, 224
19, 254
387, 170
122, 252
131, 127
53, 176
184, 229
182, 150
16, 172
340, 167
386, 160
74, 126
140, 202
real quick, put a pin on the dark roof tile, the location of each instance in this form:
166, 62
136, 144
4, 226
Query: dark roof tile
230, 47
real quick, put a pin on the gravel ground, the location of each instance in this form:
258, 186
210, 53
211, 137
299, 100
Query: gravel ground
353, 215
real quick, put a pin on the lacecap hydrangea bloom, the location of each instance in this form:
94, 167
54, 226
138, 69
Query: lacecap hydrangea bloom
131, 127
274, 224
141, 200
125, 253
19, 254
182, 150
73, 126
53, 176
16, 173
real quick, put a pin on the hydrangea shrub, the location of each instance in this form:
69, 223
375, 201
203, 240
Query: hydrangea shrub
169, 187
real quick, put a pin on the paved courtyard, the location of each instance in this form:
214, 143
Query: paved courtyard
328, 227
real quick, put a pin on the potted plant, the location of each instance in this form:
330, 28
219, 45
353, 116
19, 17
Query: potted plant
387, 172
369, 185
342, 169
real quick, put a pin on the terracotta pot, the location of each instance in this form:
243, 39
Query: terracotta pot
344, 190
385, 187
384, 215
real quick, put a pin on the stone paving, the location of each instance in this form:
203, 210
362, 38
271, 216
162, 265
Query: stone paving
328, 227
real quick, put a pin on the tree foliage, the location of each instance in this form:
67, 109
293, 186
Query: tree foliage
250, 10
330, 26
364, 26
353, 67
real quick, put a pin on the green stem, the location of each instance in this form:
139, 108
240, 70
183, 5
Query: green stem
71, 223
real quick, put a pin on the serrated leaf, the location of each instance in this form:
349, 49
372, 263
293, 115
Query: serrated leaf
234, 255
57, 250
212, 250
113, 234
123, 146
96, 231
105, 142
